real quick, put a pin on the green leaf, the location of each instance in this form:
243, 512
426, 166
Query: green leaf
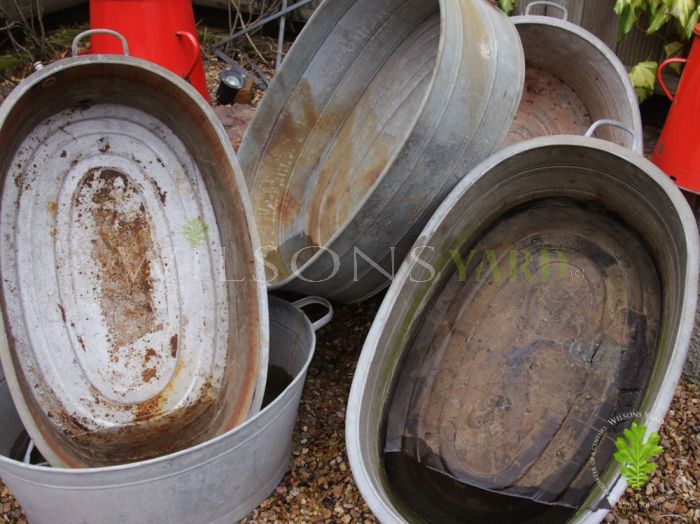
507, 5
672, 50
627, 14
634, 455
194, 232
658, 14
683, 10
692, 22
643, 77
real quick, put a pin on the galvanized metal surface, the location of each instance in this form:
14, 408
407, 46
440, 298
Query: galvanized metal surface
610, 181
572, 80
135, 326
377, 112
219, 481
598, 17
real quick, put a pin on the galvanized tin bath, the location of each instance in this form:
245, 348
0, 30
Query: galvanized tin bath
572, 79
219, 481
603, 180
378, 110
136, 320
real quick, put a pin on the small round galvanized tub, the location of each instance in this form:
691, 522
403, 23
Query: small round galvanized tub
136, 318
572, 79
377, 111
502, 384
219, 481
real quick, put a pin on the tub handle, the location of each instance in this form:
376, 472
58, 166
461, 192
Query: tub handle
89, 32
659, 72
309, 301
196, 52
564, 10
27, 459
614, 123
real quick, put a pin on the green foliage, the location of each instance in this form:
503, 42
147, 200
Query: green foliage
682, 15
627, 12
657, 13
673, 50
194, 232
507, 5
643, 77
61, 39
686, 12
634, 455
28, 39
8, 63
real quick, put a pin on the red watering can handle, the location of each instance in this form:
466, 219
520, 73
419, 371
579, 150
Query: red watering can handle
661, 68
195, 51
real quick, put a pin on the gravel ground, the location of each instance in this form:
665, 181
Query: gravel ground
320, 487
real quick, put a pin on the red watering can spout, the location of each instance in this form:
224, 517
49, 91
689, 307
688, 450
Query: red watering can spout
677, 152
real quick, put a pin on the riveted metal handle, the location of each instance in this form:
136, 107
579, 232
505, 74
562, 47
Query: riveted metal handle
196, 52
659, 75
89, 32
564, 10
615, 123
310, 301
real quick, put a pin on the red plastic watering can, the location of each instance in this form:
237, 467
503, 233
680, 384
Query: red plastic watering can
162, 31
678, 151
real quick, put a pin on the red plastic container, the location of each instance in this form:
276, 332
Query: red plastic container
677, 152
162, 31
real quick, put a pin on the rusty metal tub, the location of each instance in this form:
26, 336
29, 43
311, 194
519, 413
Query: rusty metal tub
135, 320
572, 79
219, 481
377, 111
550, 300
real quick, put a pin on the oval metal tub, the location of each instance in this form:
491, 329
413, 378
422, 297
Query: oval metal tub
548, 302
572, 79
220, 481
375, 114
136, 320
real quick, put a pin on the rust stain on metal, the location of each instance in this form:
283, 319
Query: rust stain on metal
150, 353
52, 207
173, 346
123, 249
163, 195
149, 374
549, 106
63, 312
347, 175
